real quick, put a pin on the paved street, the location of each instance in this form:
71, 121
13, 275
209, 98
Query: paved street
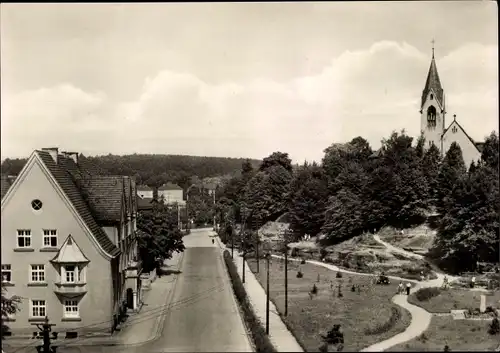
204, 316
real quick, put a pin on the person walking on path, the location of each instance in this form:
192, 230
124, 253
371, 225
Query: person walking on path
400, 288
408, 287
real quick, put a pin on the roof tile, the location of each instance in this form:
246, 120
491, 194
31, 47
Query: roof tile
65, 181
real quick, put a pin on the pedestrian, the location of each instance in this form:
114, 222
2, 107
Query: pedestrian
422, 277
473, 282
408, 287
400, 288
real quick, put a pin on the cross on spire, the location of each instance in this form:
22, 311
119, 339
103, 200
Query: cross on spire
433, 41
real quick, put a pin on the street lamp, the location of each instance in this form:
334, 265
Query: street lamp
268, 258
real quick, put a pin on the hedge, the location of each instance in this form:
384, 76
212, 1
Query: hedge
260, 338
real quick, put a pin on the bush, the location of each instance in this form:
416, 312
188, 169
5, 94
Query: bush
386, 326
446, 348
338, 275
261, 340
300, 274
494, 328
314, 289
323, 253
353, 288
303, 261
425, 294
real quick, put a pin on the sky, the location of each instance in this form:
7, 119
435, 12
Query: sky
238, 79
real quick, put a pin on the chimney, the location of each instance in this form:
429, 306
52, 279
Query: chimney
53, 152
73, 156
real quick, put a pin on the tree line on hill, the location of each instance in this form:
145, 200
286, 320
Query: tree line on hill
356, 190
153, 169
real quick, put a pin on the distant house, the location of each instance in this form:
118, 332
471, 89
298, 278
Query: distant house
144, 191
69, 245
171, 194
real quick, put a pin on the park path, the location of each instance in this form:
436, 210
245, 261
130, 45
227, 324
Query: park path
420, 318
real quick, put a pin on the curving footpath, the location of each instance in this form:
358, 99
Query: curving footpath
420, 318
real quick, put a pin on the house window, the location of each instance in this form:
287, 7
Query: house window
24, 238
37, 273
38, 308
71, 308
72, 274
454, 129
50, 238
6, 273
36, 205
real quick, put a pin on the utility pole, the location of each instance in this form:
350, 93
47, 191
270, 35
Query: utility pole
45, 328
232, 243
286, 273
243, 277
257, 251
268, 257
213, 193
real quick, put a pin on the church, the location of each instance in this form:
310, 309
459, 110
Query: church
433, 120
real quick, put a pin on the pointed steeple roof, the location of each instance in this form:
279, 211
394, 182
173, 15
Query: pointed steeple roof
433, 83
70, 252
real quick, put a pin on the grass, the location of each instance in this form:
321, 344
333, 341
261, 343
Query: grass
459, 335
365, 318
454, 299
494, 299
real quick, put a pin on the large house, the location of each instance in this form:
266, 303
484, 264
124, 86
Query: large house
69, 246
144, 191
171, 194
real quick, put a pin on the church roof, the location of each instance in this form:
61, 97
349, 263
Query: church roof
433, 83
465, 133
70, 252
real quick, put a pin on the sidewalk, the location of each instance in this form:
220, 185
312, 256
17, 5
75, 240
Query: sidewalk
281, 338
139, 328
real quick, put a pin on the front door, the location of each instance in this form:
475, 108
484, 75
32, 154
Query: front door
130, 298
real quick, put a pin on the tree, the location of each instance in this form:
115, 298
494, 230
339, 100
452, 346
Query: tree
266, 194
469, 229
399, 182
490, 151
308, 199
420, 147
162, 236
10, 306
451, 170
276, 159
431, 162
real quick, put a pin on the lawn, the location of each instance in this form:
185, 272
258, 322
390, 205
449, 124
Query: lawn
454, 299
356, 312
459, 335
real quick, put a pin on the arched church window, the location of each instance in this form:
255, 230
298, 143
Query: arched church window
431, 116
454, 129
432, 96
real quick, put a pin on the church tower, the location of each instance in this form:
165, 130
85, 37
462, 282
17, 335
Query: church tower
432, 108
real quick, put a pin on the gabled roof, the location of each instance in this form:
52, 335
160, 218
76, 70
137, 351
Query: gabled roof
463, 130
70, 252
104, 194
144, 188
68, 185
433, 83
5, 184
169, 186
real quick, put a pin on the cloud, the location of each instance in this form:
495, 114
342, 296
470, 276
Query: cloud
368, 92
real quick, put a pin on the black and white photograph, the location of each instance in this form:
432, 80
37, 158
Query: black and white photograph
249, 177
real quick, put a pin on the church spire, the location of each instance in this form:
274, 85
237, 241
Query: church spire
433, 82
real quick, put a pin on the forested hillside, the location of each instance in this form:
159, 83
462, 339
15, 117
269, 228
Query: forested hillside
155, 169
